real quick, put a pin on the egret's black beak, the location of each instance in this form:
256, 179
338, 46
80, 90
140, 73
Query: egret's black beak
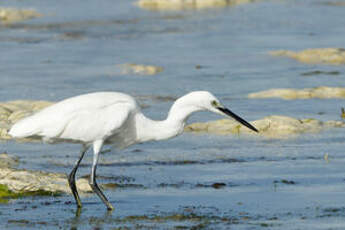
237, 118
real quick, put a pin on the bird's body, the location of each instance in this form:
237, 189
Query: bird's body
111, 118
83, 118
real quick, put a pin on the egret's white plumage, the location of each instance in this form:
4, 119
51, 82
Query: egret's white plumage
84, 118
111, 118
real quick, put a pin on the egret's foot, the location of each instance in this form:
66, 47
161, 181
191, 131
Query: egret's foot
110, 208
100, 194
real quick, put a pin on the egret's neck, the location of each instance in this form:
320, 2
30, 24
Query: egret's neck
171, 127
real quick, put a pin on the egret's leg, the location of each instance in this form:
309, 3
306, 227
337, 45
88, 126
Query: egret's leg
97, 146
71, 176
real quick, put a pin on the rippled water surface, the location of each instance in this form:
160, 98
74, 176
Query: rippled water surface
192, 181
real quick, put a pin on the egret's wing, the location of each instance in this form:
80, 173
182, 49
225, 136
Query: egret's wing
73, 117
95, 124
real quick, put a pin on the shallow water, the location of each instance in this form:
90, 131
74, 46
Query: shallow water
265, 184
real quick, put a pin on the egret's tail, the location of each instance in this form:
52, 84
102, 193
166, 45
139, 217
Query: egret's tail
23, 128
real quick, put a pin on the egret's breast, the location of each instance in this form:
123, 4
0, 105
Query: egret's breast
125, 136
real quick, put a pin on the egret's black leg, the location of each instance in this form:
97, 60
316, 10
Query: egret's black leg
97, 146
71, 176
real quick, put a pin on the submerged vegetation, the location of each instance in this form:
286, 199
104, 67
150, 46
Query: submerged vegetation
6, 194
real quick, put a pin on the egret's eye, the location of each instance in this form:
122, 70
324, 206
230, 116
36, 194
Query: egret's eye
214, 103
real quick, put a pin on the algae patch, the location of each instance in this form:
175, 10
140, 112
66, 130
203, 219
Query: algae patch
320, 72
177, 220
330, 56
122, 186
334, 3
6, 194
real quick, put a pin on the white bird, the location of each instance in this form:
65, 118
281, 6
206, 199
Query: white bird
111, 118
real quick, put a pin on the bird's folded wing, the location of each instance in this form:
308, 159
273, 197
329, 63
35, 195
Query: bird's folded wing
93, 124
85, 125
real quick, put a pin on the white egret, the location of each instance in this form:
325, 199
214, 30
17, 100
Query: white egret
101, 118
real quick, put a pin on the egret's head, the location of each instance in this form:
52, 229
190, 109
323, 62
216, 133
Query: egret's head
209, 102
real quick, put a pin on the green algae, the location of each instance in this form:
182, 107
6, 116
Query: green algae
172, 217
308, 120
236, 129
182, 221
176, 220
122, 186
6, 194
320, 72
